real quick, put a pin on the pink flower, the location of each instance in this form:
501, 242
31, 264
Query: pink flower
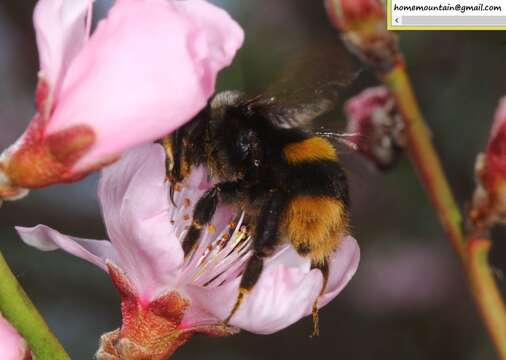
12, 345
149, 67
165, 292
489, 202
376, 126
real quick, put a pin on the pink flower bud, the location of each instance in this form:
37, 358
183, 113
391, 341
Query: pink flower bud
353, 14
149, 67
12, 345
364, 29
495, 155
375, 126
489, 201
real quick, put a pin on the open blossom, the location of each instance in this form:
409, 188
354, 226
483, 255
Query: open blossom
12, 345
376, 126
489, 201
149, 67
167, 298
364, 29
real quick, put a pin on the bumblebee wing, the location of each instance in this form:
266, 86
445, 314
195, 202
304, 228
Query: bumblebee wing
309, 86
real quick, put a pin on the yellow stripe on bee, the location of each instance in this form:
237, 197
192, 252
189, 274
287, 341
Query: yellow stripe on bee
314, 148
316, 223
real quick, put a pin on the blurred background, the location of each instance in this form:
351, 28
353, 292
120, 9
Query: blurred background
408, 299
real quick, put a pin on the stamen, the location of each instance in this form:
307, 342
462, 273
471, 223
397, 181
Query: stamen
225, 251
222, 250
222, 259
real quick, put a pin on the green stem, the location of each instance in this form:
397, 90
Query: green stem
425, 158
22, 314
488, 298
426, 161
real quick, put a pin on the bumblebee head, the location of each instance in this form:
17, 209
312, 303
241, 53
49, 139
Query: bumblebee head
238, 147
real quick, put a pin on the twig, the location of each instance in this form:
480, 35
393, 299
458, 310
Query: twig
426, 161
487, 296
22, 314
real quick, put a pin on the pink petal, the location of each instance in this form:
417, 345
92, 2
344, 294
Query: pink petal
147, 69
44, 238
198, 180
134, 198
211, 25
284, 294
12, 345
60, 27
343, 266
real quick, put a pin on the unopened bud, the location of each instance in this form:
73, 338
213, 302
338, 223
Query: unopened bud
364, 29
489, 200
376, 126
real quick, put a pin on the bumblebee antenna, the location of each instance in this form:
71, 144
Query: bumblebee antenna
332, 134
340, 137
349, 144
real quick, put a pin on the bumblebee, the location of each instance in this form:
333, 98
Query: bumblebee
264, 161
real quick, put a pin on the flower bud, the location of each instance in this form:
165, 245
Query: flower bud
376, 126
364, 29
489, 200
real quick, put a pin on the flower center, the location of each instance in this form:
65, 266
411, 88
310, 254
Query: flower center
223, 248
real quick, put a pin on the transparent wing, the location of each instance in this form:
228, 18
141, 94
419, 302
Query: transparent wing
309, 86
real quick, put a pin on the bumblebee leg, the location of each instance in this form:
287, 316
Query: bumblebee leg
167, 142
264, 242
324, 268
176, 164
205, 209
249, 278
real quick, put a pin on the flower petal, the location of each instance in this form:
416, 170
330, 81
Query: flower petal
284, 293
44, 238
343, 266
281, 297
137, 80
60, 27
12, 345
135, 202
217, 38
